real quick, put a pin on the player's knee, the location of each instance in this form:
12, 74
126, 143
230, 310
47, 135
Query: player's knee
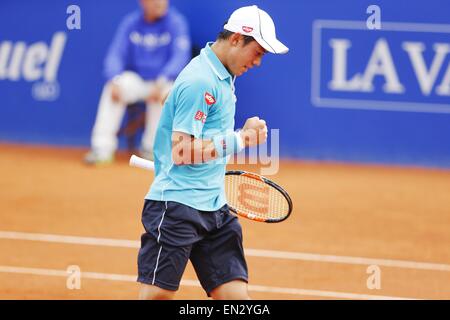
149, 292
237, 295
233, 290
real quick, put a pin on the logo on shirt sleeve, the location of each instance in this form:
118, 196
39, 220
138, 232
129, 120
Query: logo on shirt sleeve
209, 99
200, 116
224, 144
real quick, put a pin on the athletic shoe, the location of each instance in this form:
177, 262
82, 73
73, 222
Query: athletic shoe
93, 158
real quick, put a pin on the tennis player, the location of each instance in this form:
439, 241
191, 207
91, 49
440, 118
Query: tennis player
185, 215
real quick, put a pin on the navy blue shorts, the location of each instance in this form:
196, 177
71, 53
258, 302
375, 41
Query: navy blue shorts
175, 233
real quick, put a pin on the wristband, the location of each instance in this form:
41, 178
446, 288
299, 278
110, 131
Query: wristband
228, 143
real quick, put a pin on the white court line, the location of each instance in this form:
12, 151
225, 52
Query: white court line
194, 283
249, 252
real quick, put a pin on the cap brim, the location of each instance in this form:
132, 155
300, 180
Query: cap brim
272, 45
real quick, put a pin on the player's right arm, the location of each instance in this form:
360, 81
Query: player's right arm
186, 149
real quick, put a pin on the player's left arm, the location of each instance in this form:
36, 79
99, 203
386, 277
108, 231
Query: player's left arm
192, 108
186, 149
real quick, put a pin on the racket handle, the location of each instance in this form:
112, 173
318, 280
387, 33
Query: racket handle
138, 162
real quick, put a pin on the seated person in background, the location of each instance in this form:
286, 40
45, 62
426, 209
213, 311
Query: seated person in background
148, 51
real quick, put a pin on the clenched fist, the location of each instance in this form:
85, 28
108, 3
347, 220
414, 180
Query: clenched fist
254, 132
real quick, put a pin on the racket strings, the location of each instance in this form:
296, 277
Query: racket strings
255, 197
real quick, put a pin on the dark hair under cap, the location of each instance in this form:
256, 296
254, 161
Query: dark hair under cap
225, 34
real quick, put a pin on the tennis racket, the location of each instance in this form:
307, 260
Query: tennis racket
248, 194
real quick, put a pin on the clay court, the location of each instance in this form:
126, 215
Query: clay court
55, 212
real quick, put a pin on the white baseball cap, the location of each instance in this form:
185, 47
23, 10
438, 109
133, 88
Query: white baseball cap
254, 22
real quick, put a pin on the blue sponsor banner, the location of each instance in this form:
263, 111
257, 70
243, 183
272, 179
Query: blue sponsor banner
51, 75
344, 92
400, 67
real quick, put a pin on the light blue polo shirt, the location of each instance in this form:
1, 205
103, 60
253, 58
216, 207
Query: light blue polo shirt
202, 103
